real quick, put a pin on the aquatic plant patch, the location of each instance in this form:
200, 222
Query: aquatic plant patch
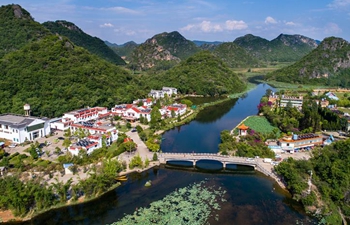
193, 204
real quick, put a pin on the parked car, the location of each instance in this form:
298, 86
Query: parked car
250, 160
12, 145
133, 129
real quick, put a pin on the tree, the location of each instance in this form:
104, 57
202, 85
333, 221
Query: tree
110, 167
187, 102
57, 151
143, 135
67, 142
139, 129
155, 157
136, 161
146, 162
152, 145
62, 189
33, 151
173, 114
67, 133
141, 119
155, 117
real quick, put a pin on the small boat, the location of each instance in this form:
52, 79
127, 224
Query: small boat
122, 178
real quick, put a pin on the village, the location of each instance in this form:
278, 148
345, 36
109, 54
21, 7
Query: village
84, 131
90, 128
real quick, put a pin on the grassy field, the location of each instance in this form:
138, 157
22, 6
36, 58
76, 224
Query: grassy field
259, 124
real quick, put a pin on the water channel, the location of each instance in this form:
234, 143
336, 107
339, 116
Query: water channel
252, 198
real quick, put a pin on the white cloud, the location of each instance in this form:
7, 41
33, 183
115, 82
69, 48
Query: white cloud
290, 23
332, 28
235, 25
130, 33
270, 20
188, 27
106, 25
122, 10
208, 26
339, 4
117, 9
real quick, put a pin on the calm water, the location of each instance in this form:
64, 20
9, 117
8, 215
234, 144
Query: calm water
203, 133
252, 197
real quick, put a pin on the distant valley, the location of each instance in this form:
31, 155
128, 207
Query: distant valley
57, 67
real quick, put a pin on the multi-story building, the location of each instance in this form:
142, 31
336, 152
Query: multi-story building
161, 93
80, 115
294, 101
297, 142
19, 128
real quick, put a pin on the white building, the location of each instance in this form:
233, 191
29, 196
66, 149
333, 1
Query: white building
19, 128
119, 110
179, 109
161, 93
92, 142
294, 101
80, 115
95, 129
298, 142
145, 102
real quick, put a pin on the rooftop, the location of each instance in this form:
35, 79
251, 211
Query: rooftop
16, 120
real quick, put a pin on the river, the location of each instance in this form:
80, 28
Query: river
252, 198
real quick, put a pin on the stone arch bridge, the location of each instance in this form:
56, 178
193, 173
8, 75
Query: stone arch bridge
195, 157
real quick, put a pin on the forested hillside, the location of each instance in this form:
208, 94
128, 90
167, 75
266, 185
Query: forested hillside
202, 74
17, 28
235, 56
328, 64
331, 180
164, 50
80, 38
55, 76
284, 48
124, 50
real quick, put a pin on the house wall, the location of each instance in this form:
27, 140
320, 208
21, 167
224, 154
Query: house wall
20, 135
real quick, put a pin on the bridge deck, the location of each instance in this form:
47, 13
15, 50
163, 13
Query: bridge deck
165, 157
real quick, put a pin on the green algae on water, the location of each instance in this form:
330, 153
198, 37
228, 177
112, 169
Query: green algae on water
193, 204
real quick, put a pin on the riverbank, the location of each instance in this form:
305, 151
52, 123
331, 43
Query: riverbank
128, 171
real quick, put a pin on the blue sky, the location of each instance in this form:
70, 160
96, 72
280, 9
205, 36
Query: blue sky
119, 21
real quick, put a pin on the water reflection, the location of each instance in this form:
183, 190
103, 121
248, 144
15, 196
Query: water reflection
212, 114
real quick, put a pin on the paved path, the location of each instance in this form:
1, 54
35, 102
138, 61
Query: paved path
142, 149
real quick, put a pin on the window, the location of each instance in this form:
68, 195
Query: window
287, 144
6, 127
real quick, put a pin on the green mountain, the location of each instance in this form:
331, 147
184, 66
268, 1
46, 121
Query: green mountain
235, 56
54, 76
165, 50
17, 28
203, 74
284, 48
80, 38
125, 50
328, 64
